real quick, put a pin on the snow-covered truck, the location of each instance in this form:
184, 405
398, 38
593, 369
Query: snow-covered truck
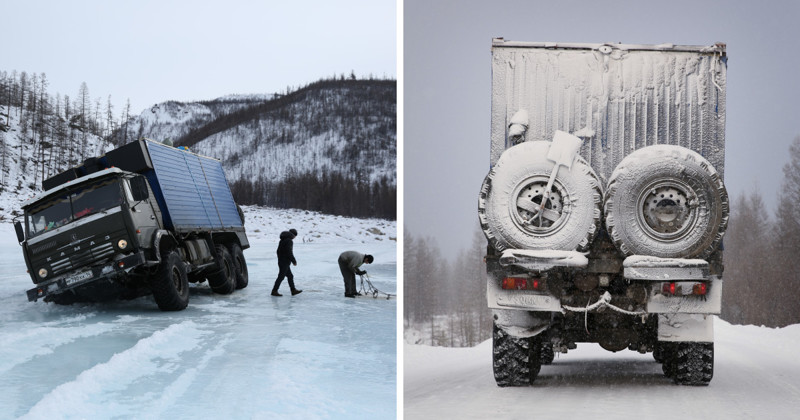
143, 218
623, 247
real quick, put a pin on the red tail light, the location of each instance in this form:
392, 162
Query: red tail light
520, 283
669, 288
700, 289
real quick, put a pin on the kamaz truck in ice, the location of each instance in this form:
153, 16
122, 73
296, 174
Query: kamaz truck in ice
144, 218
605, 207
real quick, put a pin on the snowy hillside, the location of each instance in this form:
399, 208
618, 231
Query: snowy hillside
173, 120
756, 376
316, 355
26, 156
346, 127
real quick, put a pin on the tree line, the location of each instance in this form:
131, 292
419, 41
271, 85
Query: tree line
54, 132
329, 193
760, 252
447, 302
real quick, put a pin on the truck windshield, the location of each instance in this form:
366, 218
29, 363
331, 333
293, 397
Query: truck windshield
72, 205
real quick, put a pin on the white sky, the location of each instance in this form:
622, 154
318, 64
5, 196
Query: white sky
155, 50
447, 80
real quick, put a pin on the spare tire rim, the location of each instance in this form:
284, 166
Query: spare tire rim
527, 199
666, 210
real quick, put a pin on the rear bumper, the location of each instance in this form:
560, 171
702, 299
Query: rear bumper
648, 272
64, 283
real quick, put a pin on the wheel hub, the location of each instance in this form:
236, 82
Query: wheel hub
528, 211
666, 210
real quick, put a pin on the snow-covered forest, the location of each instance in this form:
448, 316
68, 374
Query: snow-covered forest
445, 301
41, 134
329, 146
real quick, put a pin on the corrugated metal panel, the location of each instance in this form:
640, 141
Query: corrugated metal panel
192, 189
617, 101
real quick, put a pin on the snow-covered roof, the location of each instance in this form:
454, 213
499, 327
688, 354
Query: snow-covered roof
718, 48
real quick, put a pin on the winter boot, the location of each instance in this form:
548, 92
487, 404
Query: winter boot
296, 292
275, 293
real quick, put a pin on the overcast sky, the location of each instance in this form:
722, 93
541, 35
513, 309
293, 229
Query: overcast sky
154, 50
447, 77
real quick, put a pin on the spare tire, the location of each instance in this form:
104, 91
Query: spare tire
512, 194
666, 201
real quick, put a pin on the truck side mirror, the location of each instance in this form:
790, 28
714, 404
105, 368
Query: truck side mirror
20, 232
139, 188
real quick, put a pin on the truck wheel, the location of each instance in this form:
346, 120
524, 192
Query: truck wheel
516, 361
240, 266
694, 363
170, 285
223, 281
548, 355
512, 193
658, 353
666, 201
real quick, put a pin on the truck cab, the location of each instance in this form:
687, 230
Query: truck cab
122, 226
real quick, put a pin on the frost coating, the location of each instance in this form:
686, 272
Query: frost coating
628, 99
666, 201
512, 194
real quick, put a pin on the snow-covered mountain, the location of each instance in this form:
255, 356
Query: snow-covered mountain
331, 129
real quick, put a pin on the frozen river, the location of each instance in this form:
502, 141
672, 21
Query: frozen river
245, 355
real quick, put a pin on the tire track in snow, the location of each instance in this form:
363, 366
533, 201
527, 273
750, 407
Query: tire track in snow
90, 395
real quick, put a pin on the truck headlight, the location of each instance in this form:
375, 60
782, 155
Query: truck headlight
42, 272
122, 244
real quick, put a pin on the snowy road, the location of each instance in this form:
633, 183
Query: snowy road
246, 355
756, 376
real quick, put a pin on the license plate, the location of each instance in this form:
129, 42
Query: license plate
78, 277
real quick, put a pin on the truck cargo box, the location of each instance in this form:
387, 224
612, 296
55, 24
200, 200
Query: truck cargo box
617, 97
180, 180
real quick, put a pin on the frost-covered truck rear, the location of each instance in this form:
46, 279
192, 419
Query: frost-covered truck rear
143, 218
605, 207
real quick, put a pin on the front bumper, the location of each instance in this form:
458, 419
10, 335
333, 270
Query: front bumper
61, 284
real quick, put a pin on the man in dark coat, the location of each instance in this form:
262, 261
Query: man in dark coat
349, 261
285, 258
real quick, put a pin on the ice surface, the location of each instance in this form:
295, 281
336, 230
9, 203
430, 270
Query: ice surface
756, 375
246, 355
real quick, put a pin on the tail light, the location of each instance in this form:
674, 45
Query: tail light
673, 288
522, 283
700, 289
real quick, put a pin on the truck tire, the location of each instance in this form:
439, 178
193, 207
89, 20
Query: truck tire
516, 361
514, 189
693, 363
223, 281
666, 201
548, 355
240, 266
170, 285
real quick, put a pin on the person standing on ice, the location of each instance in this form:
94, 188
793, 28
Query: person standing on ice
285, 259
349, 261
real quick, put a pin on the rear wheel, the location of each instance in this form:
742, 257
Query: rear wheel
223, 281
240, 266
694, 363
516, 361
170, 285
